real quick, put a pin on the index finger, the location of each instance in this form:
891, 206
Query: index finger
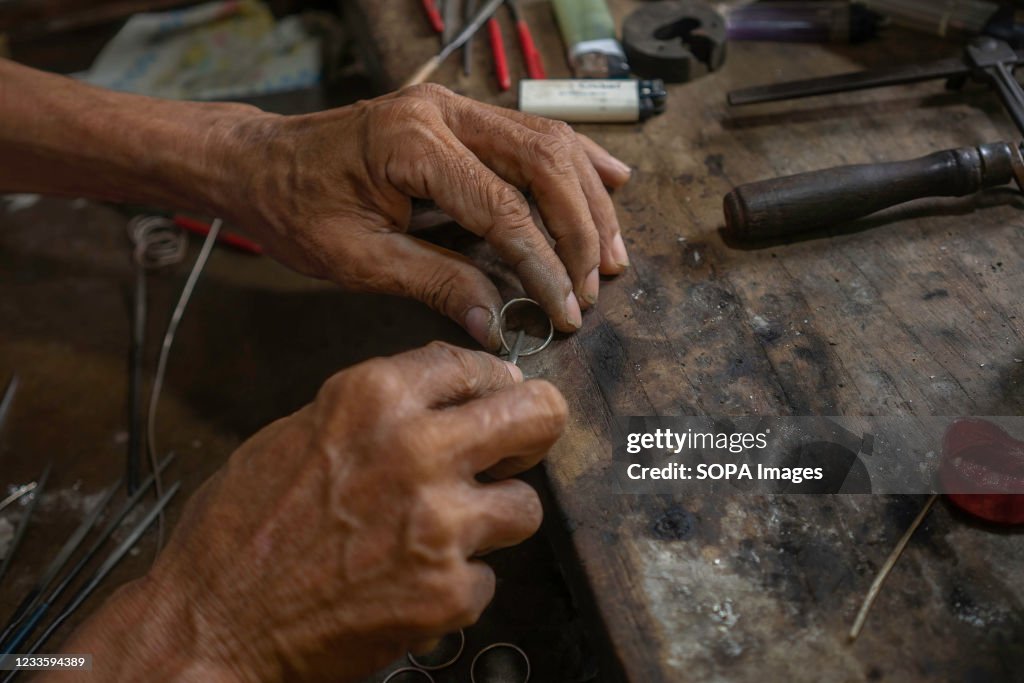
443, 375
440, 167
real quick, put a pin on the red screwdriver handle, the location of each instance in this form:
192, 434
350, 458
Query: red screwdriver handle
500, 60
534, 65
433, 15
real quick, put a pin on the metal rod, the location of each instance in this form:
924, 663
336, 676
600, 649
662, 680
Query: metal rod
890, 562
108, 565
134, 455
19, 534
857, 80
8, 399
1010, 92
428, 67
58, 562
18, 493
517, 348
86, 558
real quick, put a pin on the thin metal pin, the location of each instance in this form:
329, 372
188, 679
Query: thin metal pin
8, 399
21, 491
19, 534
517, 347
57, 563
883, 573
112, 560
31, 621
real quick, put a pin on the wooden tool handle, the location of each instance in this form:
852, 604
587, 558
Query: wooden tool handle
785, 206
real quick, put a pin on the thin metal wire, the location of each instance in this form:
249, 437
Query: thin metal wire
18, 493
408, 670
115, 556
501, 328
8, 399
165, 350
444, 665
499, 646
883, 573
19, 533
158, 242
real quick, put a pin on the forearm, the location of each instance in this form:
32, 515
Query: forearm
144, 633
62, 137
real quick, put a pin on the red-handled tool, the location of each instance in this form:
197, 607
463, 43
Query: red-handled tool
498, 50
534, 65
433, 15
224, 237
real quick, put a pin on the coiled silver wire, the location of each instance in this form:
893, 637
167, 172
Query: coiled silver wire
158, 241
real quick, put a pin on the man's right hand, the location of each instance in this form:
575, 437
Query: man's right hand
338, 537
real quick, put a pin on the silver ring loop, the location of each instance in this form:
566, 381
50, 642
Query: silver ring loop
409, 670
494, 646
445, 665
501, 328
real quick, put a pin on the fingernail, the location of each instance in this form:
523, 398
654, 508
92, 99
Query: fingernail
478, 324
573, 315
622, 166
618, 250
590, 287
513, 369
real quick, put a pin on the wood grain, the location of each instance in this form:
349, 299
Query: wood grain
915, 311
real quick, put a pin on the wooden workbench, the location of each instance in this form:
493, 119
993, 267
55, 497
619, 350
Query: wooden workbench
917, 311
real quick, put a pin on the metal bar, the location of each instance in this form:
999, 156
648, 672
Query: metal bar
134, 455
58, 562
18, 493
470, 29
19, 534
857, 80
1010, 92
108, 531
108, 565
8, 399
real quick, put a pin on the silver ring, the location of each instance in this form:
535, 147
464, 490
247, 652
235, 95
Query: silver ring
501, 327
409, 670
445, 665
493, 646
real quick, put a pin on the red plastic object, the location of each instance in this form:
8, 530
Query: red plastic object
982, 471
534, 65
498, 50
227, 238
433, 15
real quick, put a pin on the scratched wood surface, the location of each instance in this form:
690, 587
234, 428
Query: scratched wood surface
915, 311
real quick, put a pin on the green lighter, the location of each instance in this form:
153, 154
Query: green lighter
589, 33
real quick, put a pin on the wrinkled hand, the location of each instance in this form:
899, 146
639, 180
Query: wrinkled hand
339, 537
329, 195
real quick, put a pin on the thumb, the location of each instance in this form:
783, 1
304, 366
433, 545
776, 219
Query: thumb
396, 263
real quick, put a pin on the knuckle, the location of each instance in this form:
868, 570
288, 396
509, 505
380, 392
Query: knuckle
409, 109
377, 378
562, 130
508, 204
440, 288
428, 91
551, 152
